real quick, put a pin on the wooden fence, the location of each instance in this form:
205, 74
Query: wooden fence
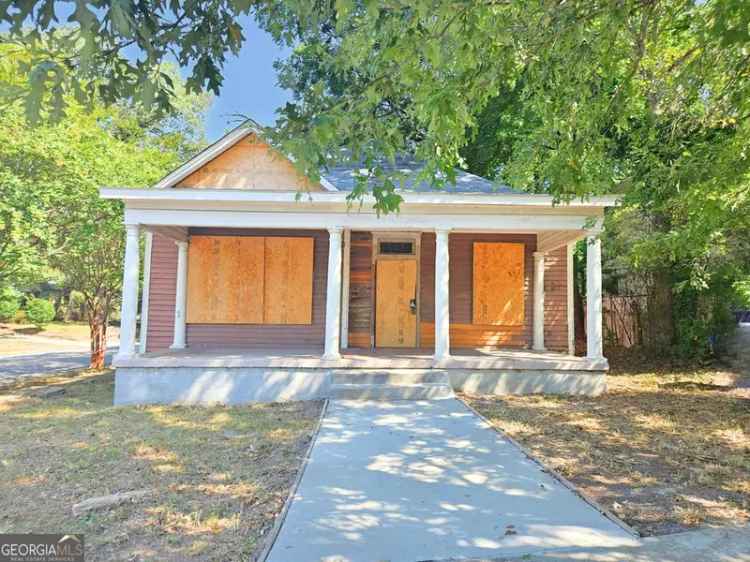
623, 320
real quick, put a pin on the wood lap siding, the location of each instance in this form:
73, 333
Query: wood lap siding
240, 336
556, 300
463, 332
161, 293
360, 289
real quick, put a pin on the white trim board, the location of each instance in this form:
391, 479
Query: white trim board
291, 196
469, 223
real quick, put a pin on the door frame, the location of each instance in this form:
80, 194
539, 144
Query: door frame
396, 236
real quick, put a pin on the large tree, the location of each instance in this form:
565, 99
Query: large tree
647, 98
50, 177
415, 74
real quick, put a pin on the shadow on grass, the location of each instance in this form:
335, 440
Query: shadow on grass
217, 475
664, 458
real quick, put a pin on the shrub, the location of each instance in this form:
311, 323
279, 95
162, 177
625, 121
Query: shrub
74, 309
40, 311
9, 304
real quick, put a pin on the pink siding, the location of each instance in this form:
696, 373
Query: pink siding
161, 294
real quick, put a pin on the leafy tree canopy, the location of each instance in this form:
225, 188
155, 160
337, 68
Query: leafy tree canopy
379, 78
645, 98
50, 175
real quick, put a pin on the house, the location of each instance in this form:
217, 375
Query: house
252, 293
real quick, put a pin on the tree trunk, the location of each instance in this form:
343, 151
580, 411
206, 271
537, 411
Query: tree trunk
98, 330
659, 313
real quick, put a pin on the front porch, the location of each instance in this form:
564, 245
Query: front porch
232, 376
253, 305
313, 358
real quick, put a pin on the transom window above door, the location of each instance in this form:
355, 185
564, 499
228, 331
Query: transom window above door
393, 247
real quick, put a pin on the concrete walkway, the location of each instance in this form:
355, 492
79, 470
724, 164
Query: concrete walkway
413, 481
728, 544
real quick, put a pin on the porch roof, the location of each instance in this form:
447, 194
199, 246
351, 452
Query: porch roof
432, 197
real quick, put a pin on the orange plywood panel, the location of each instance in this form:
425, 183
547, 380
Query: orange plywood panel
249, 295
359, 339
288, 280
396, 286
225, 280
249, 164
474, 336
498, 283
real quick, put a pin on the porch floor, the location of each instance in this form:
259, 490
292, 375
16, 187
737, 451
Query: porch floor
390, 358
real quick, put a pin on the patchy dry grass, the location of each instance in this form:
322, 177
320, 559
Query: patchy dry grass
665, 451
218, 476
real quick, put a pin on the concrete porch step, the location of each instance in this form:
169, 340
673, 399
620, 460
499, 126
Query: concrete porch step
389, 376
391, 384
381, 391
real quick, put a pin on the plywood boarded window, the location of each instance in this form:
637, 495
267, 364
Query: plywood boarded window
288, 280
249, 280
498, 283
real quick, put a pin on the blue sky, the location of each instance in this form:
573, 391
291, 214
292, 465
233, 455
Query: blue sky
250, 87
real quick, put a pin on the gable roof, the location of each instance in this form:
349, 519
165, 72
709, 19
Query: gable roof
341, 177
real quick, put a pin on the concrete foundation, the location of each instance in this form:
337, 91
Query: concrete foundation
239, 385
195, 385
497, 383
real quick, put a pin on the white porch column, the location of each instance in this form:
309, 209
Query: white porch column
129, 310
593, 297
180, 304
538, 298
333, 295
570, 293
442, 296
143, 334
345, 289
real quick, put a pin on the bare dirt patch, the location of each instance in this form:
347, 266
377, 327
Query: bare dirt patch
216, 476
665, 451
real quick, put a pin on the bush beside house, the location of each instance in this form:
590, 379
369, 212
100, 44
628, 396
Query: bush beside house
9, 304
40, 312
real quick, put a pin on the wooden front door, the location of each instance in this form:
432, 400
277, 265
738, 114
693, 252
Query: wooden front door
395, 303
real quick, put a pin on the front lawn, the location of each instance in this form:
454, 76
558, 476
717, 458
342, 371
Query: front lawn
215, 477
664, 451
